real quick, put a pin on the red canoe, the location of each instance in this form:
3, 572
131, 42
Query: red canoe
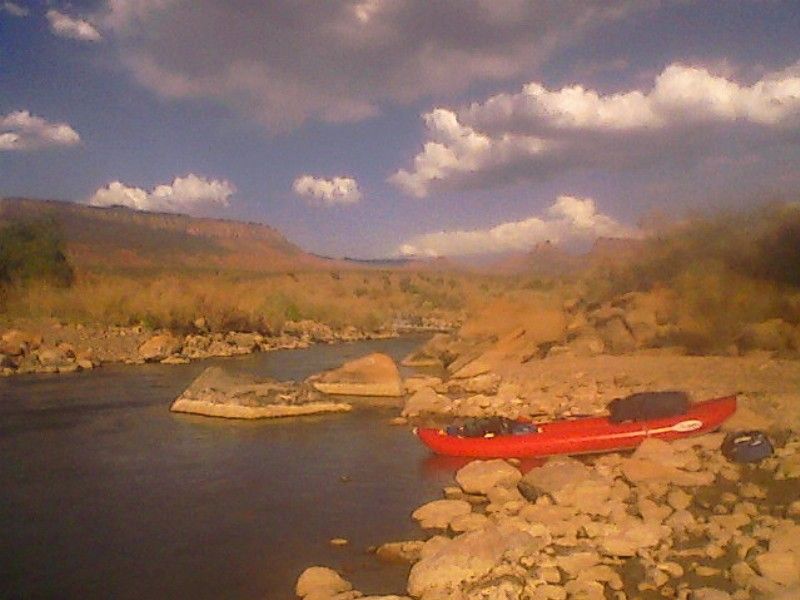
583, 436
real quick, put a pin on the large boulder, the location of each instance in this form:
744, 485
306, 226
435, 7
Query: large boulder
321, 581
371, 375
480, 476
426, 401
468, 558
216, 393
159, 347
554, 476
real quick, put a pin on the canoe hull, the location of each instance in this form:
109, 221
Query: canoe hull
583, 436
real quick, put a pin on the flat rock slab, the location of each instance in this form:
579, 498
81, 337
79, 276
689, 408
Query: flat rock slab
217, 393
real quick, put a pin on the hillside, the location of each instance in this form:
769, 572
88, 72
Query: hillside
121, 239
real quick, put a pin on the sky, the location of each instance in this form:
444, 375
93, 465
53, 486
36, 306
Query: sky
376, 128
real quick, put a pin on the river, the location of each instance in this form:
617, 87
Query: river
106, 494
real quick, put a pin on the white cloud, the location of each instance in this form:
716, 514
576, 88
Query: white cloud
70, 27
539, 132
287, 61
20, 130
14, 9
184, 194
339, 190
568, 220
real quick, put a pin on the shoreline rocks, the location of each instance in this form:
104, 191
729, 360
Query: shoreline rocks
52, 347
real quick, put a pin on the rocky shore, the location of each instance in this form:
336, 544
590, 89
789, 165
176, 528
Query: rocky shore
671, 520
52, 347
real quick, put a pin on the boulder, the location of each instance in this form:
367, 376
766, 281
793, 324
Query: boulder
438, 513
426, 401
556, 474
159, 347
216, 393
15, 342
407, 552
780, 567
320, 581
631, 536
586, 343
371, 375
616, 336
480, 476
452, 564
308, 330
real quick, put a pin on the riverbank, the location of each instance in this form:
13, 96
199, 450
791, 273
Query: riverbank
668, 521
49, 346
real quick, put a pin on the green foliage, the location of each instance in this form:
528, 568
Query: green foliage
32, 251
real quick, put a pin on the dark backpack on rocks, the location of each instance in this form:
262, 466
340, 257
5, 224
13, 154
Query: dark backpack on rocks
746, 446
648, 405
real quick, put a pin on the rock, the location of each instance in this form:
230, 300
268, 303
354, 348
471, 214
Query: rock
52, 357
426, 401
469, 522
216, 393
556, 474
781, 567
245, 342
486, 383
175, 360
407, 552
439, 513
707, 593
479, 476
321, 581
371, 375
308, 330
639, 470
468, 558
16, 343
632, 536
616, 336
159, 347
678, 499
573, 564
586, 343
419, 382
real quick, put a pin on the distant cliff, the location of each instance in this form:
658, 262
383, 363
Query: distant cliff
119, 238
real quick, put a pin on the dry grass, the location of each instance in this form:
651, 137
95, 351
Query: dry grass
365, 299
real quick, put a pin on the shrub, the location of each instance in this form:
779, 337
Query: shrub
32, 251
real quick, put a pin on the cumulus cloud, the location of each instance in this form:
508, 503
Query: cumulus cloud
339, 190
14, 9
568, 220
539, 132
185, 194
71, 27
20, 130
287, 61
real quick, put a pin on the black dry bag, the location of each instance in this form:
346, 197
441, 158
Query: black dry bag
746, 446
648, 405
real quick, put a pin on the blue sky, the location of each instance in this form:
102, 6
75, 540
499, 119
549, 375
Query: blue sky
377, 127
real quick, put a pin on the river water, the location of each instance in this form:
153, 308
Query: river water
106, 494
